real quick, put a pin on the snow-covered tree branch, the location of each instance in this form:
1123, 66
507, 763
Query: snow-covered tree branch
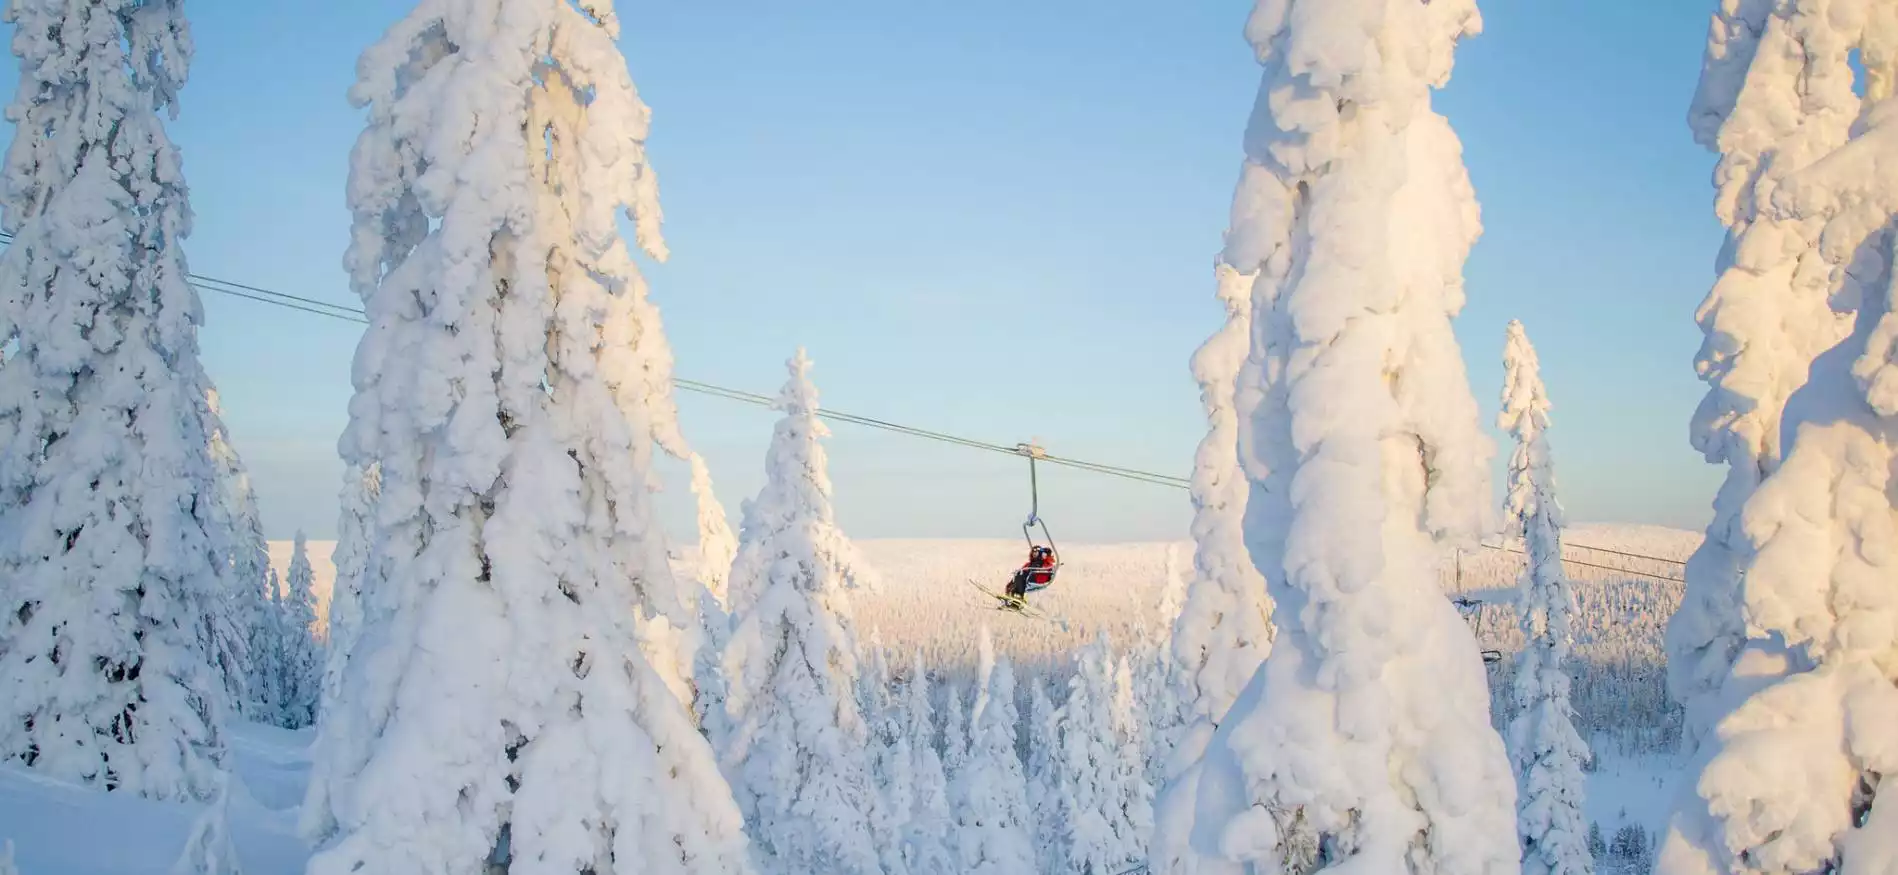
500, 703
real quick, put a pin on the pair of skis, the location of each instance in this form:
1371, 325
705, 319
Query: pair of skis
1007, 602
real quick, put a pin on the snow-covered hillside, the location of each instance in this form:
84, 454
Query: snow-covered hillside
926, 601
927, 604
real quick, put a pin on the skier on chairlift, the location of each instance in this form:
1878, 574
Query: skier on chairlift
1034, 575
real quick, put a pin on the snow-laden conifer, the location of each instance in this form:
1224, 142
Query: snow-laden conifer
955, 731
1547, 751
316, 819
1127, 716
1046, 789
994, 830
1162, 697
268, 671
112, 585
1364, 740
1775, 94
498, 707
301, 658
1224, 628
926, 832
679, 631
891, 760
708, 671
1105, 804
717, 544
1798, 774
796, 752
244, 555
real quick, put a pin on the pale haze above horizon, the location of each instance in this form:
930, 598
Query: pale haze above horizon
997, 222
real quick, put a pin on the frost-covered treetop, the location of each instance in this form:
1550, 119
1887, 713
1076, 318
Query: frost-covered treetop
797, 491
1334, 45
1525, 411
1336, 110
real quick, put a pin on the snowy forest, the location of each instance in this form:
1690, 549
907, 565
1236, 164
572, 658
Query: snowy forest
1359, 662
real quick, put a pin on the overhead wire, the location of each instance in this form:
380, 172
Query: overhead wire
357, 315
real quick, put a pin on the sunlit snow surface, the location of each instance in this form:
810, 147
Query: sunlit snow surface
926, 603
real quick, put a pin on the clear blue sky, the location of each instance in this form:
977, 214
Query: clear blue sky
907, 188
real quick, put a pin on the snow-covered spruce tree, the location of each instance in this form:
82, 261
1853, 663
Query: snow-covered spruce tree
994, 829
1224, 629
926, 831
1167, 712
1127, 716
796, 752
1547, 751
716, 549
239, 537
955, 732
302, 657
112, 588
708, 672
1046, 790
679, 627
498, 707
891, 760
1775, 94
1801, 775
268, 651
1104, 802
316, 818
717, 545
1364, 741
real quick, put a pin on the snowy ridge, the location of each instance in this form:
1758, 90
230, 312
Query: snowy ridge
925, 605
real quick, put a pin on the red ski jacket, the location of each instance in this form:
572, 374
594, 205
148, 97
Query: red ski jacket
1039, 573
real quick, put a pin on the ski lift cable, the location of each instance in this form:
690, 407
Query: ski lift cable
346, 313
1569, 561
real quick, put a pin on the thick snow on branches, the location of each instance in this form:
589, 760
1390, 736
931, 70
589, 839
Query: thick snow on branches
1547, 750
301, 661
1775, 94
1224, 629
243, 633
1364, 741
498, 704
1796, 772
994, 829
113, 583
796, 751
